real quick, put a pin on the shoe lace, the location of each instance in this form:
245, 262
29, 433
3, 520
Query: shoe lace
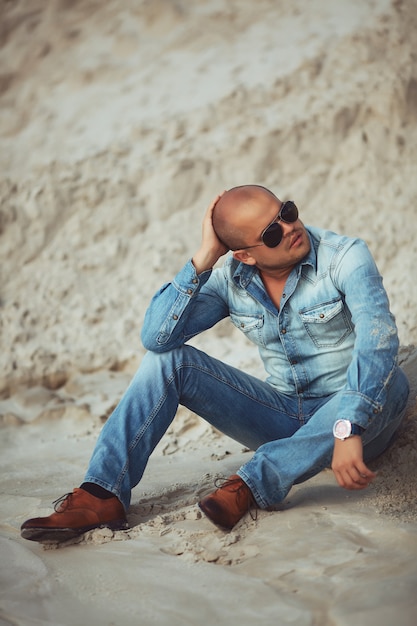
220, 483
58, 504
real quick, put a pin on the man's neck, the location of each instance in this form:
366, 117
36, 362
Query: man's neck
274, 284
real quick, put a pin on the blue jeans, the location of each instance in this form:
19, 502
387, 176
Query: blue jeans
292, 436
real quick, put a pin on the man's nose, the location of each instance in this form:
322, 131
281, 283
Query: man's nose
287, 229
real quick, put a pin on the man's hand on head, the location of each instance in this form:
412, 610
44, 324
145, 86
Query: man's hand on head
211, 248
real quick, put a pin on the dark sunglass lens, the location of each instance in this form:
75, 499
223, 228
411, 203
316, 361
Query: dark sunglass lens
273, 235
289, 212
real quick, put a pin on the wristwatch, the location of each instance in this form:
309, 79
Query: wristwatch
343, 429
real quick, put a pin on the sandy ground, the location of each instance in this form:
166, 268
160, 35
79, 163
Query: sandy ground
119, 122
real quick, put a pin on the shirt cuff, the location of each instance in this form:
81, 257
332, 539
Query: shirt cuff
358, 408
187, 280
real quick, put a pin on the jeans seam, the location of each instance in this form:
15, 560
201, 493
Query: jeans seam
143, 429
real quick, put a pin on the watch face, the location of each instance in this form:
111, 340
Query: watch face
342, 429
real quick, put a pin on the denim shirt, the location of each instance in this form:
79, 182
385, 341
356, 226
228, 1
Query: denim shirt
333, 331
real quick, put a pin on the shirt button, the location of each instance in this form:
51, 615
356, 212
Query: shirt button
195, 281
321, 315
175, 317
283, 331
189, 291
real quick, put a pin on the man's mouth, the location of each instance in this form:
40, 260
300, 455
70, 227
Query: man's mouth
296, 240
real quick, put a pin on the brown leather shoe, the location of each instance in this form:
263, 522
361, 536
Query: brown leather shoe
229, 503
75, 513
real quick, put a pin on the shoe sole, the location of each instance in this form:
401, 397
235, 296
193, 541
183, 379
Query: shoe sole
59, 535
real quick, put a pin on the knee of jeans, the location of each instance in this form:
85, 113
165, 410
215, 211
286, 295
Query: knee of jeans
156, 360
398, 397
379, 444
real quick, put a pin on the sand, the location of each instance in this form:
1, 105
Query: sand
119, 122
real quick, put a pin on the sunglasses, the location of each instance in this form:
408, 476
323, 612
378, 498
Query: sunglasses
272, 235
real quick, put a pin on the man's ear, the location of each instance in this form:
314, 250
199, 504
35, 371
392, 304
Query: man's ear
244, 257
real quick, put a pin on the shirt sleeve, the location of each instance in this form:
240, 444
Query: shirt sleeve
183, 308
375, 353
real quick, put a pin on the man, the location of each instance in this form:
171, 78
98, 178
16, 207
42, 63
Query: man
314, 304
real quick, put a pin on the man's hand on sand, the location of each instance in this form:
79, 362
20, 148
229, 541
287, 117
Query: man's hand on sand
348, 466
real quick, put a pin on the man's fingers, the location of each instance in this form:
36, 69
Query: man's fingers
365, 472
215, 201
354, 478
354, 481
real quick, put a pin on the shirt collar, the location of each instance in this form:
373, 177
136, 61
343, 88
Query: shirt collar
243, 273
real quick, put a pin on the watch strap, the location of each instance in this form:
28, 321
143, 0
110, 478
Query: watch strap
356, 429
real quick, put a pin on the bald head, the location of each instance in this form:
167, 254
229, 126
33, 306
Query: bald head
237, 210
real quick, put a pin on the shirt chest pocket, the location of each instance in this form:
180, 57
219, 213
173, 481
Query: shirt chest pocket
327, 324
250, 325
